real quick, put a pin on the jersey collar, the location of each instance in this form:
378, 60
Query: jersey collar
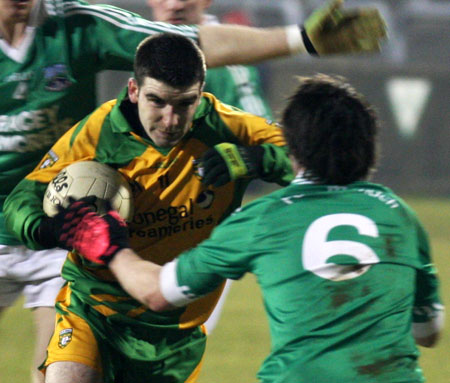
119, 124
302, 178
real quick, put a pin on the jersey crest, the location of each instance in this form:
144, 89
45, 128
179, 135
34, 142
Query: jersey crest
65, 337
56, 78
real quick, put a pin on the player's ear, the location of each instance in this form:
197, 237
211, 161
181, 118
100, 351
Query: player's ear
133, 90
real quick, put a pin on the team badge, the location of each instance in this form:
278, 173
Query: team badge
56, 78
65, 336
52, 157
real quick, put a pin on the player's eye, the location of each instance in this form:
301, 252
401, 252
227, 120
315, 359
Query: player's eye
158, 102
187, 103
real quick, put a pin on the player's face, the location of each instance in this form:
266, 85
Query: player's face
179, 11
15, 11
165, 112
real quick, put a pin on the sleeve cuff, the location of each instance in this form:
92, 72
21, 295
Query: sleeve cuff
433, 326
172, 292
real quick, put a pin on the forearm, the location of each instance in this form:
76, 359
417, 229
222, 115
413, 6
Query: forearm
23, 211
328, 30
236, 44
139, 278
276, 165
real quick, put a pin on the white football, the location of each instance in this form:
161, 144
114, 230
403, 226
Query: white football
86, 178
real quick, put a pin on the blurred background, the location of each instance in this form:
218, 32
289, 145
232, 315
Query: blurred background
409, 85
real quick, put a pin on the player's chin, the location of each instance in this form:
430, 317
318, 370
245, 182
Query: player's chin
165, 144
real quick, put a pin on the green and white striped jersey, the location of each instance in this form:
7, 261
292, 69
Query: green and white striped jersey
341, 270
48, 83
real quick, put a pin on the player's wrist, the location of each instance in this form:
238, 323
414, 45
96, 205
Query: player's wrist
307, 42
295, 39
44, 233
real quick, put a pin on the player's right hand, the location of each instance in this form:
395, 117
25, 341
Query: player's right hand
58, 231
333, 29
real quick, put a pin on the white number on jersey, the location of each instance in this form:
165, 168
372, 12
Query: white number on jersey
317, 250
21, 91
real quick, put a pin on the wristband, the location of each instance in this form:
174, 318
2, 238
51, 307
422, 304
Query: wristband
233, 159
294, 39
308, 44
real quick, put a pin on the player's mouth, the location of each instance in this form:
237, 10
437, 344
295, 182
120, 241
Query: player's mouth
168, 135
177, 20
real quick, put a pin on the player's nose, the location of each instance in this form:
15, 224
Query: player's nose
175, 5
170, 118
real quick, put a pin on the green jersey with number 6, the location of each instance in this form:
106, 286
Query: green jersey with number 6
341, 271
47, 84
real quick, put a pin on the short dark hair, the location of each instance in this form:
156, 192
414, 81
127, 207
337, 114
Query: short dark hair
170, 58
330, 130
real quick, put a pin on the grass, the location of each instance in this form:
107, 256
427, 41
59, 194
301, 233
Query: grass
240, 342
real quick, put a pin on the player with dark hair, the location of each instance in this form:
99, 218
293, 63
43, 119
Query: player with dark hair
344, 264
183, 67
327, 144
236, 85
50, 53
189, 159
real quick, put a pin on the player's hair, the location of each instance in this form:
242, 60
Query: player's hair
170, 58
330, 130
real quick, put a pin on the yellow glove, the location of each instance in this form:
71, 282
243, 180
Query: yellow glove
332, 30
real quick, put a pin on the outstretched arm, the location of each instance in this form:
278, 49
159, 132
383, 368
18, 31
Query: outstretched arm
140, 279
329, 30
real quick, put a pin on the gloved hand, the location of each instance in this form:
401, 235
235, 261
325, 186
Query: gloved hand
99, 238
58, 231
227, 162
332, 29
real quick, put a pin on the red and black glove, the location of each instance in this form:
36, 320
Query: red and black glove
58, 231
100, 238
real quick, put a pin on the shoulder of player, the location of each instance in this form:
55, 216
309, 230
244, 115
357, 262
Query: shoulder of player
261, 206
95, 122
67, 8
120, 18
228, 113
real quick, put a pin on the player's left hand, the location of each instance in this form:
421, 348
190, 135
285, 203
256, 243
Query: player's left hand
333, 29
227, 162
100, 238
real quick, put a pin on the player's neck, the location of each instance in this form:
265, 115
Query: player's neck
13, 33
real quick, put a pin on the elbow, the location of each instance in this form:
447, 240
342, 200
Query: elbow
427, 334
428, 341
156, 302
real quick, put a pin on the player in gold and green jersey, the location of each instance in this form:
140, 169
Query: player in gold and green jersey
189, 159
344, 264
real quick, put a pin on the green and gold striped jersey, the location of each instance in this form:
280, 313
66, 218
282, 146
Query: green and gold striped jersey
174, 210
344, 272
47, 84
